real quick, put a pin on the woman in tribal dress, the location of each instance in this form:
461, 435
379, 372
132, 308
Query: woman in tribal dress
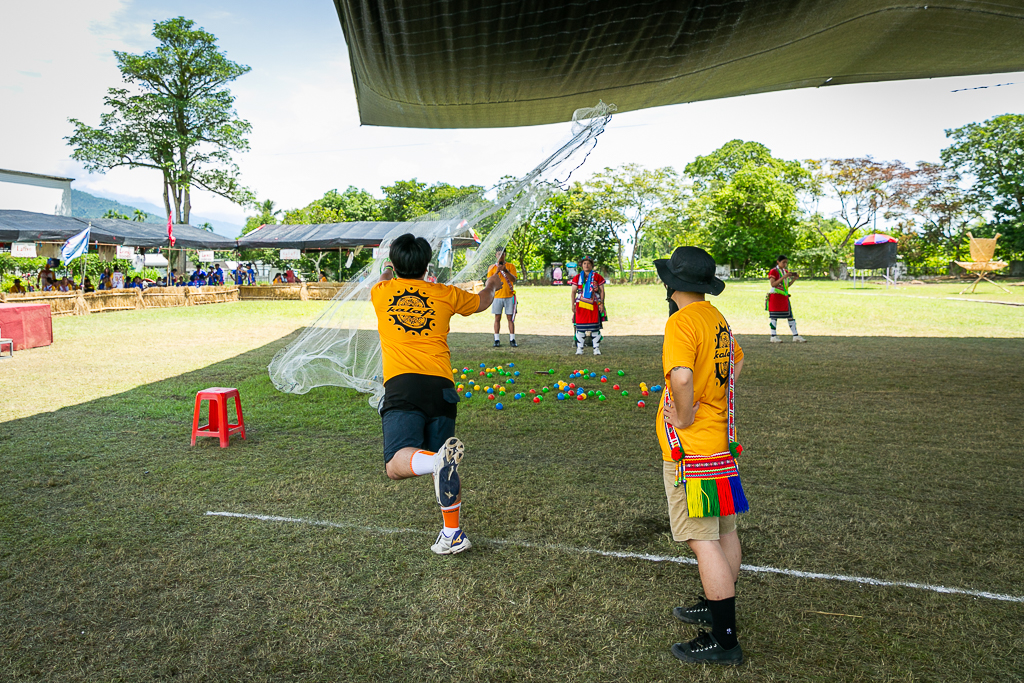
588, 312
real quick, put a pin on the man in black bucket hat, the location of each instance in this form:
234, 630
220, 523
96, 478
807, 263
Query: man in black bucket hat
697, 433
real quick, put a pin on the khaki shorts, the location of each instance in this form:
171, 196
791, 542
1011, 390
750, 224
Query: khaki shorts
685, 528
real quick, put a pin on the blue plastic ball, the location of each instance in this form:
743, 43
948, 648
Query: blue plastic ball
498, 406
469, 394
483, 365
593, 374
518, 396
561, 396
511, 365
517, 373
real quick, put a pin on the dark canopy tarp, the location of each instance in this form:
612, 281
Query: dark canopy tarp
26, 226
326, 235
524, 62
137, 234
874, 256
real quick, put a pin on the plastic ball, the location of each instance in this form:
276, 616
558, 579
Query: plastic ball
601, 397
545, 390
640, 404
483, 365
571, 392
490, 397
625, 393
581, 397
536, 399
469, 394
590, 393
512, 381
604, 379
645, 393
656, 387
517, 396
462, 376
499, 406
490, 374
616, 387
533, 391
593, 374
621, 373
511, 365
482, 373
517, 373
607, 369
454, 371
572, 385
561, 396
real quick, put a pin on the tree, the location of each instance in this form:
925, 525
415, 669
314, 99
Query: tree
745, 203
945, 209
993, 154
267, 215
407, 199
571, 227
634, 199
865, 188
178, 118
139, 216
115, 214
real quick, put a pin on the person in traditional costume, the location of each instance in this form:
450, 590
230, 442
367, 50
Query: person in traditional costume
778, 302
588, 311
697, 433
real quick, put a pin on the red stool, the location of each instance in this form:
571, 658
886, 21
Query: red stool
218, 426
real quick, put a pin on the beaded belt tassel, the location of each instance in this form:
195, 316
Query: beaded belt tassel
712, 482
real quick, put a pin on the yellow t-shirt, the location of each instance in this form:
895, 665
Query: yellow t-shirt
697, 337
412, 320
507, 291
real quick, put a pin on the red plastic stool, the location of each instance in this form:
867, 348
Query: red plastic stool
218, 426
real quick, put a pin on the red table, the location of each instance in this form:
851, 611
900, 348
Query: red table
28, 325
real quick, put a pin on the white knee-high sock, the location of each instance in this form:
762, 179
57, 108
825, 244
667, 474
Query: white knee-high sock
771, 324
581, 337
792, 326
422, 462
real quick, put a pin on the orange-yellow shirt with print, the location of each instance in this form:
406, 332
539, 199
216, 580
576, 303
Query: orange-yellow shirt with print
697, 337
412, 320
507, 291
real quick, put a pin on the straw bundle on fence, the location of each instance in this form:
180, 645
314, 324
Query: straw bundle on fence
113, 300
61, 303
325, 291
292, 292
164, 297
81, 307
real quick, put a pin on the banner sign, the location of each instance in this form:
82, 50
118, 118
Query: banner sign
206, 255
291, 254
126, 252
23, 249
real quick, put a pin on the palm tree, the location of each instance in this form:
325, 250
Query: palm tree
139, 216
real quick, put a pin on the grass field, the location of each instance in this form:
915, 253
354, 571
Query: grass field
887, 447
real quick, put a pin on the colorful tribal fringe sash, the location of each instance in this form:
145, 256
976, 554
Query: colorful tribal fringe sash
712, 482
587, 298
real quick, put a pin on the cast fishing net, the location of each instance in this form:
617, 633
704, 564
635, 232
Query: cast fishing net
341, 348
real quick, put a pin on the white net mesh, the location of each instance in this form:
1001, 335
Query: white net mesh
341, 348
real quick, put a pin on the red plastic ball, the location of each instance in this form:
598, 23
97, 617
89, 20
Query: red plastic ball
644, 393
616, 387
607, 369
571, 392
490, 397
572, 385
581, 397
604, 379
640, 404
533, 391
536, 399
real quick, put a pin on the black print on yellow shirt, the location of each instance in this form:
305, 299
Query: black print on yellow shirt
722, 355
410, 311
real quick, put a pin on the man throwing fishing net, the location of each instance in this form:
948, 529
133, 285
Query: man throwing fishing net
419, 406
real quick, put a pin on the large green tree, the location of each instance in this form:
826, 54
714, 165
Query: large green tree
177, 117
745, 203
635, 199
992, 153
407, 199
570, 227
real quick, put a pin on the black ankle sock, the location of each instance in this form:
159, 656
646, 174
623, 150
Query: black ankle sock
723, 620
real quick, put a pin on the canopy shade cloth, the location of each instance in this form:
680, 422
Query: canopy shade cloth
525, 62
315, 236
26, 226
874, 238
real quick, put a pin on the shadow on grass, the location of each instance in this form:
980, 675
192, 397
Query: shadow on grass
897, 458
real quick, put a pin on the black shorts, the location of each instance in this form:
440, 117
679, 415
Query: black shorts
413, 429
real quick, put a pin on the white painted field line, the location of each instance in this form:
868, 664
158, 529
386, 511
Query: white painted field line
642, 556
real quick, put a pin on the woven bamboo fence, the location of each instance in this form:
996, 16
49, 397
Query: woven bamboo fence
78, 303
298, 291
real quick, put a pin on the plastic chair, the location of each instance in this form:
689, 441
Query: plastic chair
983, 252
218, 425
6, 342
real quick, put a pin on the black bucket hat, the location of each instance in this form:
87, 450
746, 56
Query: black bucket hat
690, 269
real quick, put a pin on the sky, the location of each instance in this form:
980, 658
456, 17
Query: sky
56, 62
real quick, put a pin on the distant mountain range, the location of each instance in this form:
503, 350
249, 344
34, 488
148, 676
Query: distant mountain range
85, 205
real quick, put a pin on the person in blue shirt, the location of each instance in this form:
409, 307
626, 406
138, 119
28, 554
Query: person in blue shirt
220, 275
239, 275
251, 272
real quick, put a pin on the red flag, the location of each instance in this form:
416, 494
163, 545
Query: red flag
170, 230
